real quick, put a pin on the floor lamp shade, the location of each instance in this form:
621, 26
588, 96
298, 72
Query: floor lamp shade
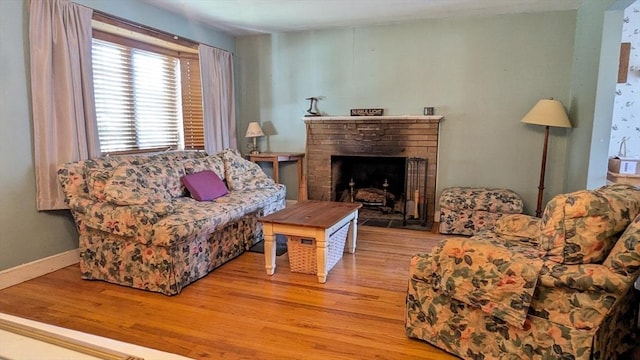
547, 112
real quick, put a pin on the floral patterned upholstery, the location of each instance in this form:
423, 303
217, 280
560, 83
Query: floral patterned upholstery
137, 226
129, 185
502, 287
469, 210
581, 227
242, 174
211, 162
511, 293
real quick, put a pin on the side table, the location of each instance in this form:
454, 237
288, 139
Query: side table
276, 158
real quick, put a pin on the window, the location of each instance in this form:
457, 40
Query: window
147, 97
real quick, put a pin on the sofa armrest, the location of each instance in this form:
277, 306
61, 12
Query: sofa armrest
584, 277
79, 204
519, 226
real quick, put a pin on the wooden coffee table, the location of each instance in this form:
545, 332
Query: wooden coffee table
312, 219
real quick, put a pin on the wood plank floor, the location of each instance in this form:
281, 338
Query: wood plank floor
238, 312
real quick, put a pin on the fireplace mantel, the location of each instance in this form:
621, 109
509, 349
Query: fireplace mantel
429, 118
392, 135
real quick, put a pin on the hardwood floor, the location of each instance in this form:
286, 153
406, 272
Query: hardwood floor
239, 312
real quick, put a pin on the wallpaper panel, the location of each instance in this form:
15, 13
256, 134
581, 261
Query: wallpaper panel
625, 127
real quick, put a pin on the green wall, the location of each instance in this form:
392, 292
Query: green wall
589, 138
605, 101
482, 73
26, 234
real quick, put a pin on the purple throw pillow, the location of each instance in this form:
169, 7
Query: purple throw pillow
204, 185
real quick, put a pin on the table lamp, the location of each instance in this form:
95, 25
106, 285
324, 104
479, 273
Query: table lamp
254, 131
547, 112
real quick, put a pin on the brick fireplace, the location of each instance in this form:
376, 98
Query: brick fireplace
383, 136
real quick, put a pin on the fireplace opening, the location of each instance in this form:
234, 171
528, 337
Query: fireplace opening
377, 182
391, 189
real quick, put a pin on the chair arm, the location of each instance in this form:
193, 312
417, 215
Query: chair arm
498, 278
518, 225
584, 277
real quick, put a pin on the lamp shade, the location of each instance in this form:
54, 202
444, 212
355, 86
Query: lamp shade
548, 112
254, 130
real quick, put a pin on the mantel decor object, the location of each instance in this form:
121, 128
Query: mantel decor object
313, 107
547, 112
367, 112
254, 131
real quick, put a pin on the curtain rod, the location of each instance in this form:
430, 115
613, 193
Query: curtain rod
165, 35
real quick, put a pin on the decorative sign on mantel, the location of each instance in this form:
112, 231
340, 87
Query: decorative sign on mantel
367, 112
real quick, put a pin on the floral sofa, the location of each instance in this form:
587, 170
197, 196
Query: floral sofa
559, 287
139, 227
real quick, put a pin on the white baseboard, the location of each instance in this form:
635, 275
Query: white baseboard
32, 270
27, 339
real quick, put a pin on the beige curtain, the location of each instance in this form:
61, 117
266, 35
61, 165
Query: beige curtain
218, 101
64, 127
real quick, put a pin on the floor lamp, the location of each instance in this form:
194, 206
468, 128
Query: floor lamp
547, 112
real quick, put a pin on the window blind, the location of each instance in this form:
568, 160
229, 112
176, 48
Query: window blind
192, 117
137, 96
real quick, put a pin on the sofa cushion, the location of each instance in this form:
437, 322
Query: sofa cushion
250, 200
204, 185
166, 175
128, 184
624, 258
582, 227
242, 174
519, 226
211, 162
191, 218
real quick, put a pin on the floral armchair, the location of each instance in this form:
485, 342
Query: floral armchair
559, 287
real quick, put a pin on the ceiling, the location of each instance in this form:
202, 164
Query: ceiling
246, 17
